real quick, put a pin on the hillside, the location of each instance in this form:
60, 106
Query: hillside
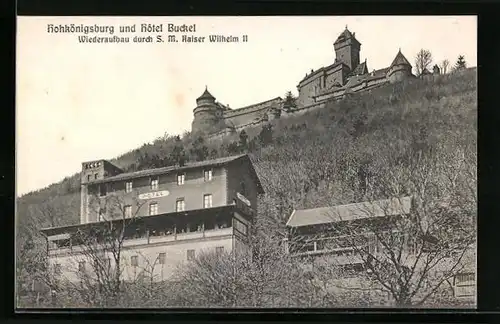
302, 159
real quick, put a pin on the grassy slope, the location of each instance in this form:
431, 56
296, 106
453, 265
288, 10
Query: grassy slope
397, 116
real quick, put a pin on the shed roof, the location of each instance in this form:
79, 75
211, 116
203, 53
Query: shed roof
325, 215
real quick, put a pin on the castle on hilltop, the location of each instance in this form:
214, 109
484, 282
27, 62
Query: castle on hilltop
346, 75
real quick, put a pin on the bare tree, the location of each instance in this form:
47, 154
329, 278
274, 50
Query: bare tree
409, 254
263, 275
444, 66
100, 246
423, 61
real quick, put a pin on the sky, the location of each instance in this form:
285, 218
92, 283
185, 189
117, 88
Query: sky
80, 102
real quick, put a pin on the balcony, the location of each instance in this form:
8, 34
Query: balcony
151, 239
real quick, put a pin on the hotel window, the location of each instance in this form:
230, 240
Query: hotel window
207, 175
102, 190
128, 186
96, 176
240, 227
81, 266
207, 201
153, 209
179, 205
180, 179
465, 284
154, 184
128, 211
134, 261
89, 177
101, 215
219, 250
57, 269
161, 258
190, 255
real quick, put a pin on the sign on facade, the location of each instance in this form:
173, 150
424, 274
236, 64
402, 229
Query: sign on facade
156, 194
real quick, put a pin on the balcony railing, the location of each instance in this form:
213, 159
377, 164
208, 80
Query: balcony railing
150, 239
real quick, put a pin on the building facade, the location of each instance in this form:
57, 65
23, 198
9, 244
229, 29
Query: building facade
348, 237
347, 74
168, 216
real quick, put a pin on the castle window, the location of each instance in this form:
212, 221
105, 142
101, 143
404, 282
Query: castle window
134, 261
207, 201
180, 179
161, 258
207, 175
128, 211
153, 209
128, 186
154, 184
179, 205
190, 255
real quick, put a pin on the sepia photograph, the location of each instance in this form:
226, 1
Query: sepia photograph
246, 162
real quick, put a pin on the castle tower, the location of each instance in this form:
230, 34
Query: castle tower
400, 69
206, 113
347, 49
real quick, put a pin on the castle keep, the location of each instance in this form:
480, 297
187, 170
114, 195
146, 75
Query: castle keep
344, 76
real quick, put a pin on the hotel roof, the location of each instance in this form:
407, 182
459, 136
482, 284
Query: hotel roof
187, 166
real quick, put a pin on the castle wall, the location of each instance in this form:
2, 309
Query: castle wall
398, 73
311, 87
246, 116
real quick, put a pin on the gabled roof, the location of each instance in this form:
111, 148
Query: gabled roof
175, 168
326, 215
400, 59
206, 95
361, 69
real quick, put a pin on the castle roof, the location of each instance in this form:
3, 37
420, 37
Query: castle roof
345, 35
328, 215
322, 69
206, 95
400, 59
359, 70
